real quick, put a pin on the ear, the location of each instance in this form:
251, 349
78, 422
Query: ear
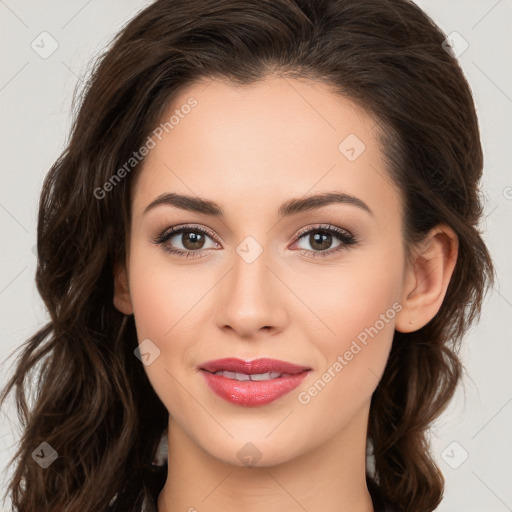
122, 299
427, 278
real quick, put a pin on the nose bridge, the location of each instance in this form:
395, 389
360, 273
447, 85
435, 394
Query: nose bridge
250, 276
250, 296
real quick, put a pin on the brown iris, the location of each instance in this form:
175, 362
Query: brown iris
320, 241
192, 240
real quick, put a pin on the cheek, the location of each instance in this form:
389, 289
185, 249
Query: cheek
171, 302
163, 298
353, 295
163, 293
357, 306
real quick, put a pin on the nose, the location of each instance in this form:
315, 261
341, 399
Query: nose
251, 299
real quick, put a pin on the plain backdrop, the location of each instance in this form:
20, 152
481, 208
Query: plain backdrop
472, 440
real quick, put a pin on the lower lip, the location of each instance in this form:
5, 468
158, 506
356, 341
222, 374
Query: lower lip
252, 393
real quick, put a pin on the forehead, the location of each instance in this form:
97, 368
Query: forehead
274, 139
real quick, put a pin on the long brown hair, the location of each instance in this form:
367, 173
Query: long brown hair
93, 402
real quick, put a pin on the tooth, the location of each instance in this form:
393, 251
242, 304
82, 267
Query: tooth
255, 376
265, 376
260, 376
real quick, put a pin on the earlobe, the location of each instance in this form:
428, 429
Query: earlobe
122, 298
427, 278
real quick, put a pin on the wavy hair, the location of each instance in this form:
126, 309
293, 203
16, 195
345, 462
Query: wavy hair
93, 402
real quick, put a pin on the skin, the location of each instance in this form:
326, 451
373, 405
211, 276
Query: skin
250, 149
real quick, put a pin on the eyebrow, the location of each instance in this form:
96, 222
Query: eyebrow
290, 207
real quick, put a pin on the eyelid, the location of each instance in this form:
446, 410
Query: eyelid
173, 230
326, 227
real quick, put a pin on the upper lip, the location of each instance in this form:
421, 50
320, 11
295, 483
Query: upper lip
263, 365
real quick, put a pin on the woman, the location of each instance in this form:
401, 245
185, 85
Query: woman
260, 252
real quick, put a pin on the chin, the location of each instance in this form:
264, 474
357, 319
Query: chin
256, 453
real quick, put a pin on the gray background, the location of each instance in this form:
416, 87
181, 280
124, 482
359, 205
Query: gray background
472, 440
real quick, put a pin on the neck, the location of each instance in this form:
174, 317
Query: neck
330, 477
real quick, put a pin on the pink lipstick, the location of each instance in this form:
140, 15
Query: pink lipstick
252, 383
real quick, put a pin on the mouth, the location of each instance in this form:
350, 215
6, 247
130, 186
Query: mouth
252, 383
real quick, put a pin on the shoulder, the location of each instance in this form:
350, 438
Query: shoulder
141, 495
149, 504
379, 505
152, 490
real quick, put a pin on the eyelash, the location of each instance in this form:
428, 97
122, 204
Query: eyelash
344, 236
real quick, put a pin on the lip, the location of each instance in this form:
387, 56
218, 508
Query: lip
262, 365
252, 393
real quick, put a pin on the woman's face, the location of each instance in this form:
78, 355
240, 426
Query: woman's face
257, 277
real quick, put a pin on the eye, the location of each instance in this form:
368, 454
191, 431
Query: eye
191, 238
321, 238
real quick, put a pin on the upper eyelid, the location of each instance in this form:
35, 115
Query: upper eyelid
323, 226
174, 230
